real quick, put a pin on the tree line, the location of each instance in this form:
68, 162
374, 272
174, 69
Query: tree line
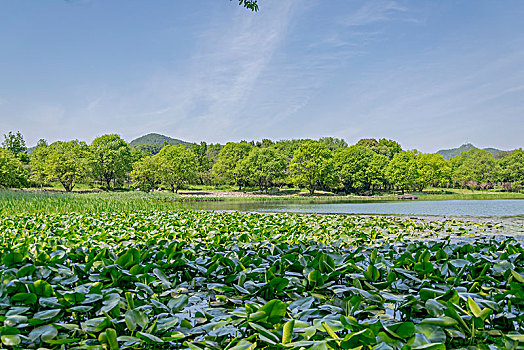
327, 164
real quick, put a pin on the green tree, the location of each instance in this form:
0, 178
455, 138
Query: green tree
177, 166
16, 144
372, 144
203, 162
146, 171
352, 167
263, 167
402, 171
12, 173
433, 170
264, 143
288, 147
65, 162
37, 163
376, 171
388, 148
226, 168
383, 146
333, 143
312, 166
474, 167
512, 168
110, 159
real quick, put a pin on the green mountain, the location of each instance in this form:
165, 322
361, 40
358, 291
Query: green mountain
453, 152
153, 143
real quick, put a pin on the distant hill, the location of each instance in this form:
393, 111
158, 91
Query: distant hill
153, 143
453, 152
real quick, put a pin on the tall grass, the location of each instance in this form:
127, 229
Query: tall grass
13, 202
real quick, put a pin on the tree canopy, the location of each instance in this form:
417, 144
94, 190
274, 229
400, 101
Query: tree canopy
226, 167
263, 167
177, 166
328, 164
110, 159
312, 166
65, 162
12, 173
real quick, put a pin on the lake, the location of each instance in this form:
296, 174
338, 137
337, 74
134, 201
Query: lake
494, 207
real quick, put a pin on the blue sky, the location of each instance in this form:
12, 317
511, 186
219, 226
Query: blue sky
429, 74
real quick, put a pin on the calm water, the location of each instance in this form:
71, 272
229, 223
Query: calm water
495, 207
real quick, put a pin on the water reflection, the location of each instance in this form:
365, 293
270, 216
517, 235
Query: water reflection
497, 207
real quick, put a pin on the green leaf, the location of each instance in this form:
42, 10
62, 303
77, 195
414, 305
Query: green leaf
330, 331
315, 278
129, 258
485, 313
473, 307
434, 333
44, 333
373, 256
134, 318
12, 258
265, 332
372, 273
301, 304
402, 330
364, 337
11, 340
434, 308
278, 284
429, 293
430, 346
440, 321
517, 276
516, 337
244, 345
46, 314
287, 332
150, 338
112, 339
178, 303
25, 298
42, 288
275, 311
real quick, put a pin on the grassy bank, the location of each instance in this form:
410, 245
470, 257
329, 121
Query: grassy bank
15, 201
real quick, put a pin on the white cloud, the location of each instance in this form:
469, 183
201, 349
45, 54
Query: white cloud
375, 11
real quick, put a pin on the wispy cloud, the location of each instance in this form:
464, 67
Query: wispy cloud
225, 71
376, 11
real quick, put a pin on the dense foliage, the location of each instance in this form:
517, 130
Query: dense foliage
199, 280
328, 164
12, 173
